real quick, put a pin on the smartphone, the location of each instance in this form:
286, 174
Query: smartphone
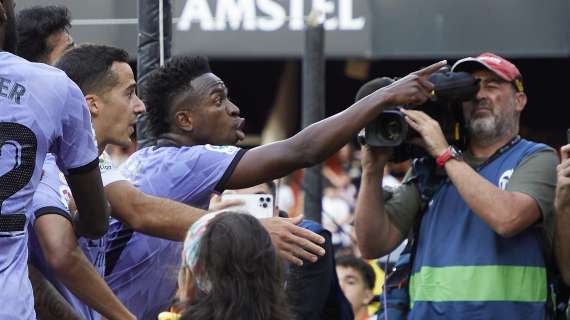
258, 205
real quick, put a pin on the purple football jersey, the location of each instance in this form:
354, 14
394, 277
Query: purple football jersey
142, 270
52, 197
41, 110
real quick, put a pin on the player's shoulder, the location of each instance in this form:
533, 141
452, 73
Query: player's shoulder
34, 73
184, 151
229, 150
36, 67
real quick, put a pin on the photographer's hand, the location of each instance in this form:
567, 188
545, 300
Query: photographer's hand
374, 159
433, 139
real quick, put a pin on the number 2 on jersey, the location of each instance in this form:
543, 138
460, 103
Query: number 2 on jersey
18, 148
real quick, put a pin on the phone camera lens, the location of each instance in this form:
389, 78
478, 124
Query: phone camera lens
267, 199
264, 205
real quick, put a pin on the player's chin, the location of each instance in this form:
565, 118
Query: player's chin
124, 141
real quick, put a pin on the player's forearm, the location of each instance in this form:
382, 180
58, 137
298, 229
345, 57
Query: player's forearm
165, 218
92, 219
81, 278
375, 233
154, 216
320, 140
507, 213
562, 241
48, 303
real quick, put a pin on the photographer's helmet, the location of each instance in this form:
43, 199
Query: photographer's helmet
498, 65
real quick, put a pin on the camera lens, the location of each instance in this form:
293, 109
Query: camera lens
267, 199
264, 205
391, 130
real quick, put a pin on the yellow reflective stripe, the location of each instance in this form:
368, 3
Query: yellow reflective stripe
479, 283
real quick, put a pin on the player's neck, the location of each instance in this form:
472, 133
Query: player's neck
177, 138
101, 145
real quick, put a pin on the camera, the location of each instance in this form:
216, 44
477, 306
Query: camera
390, 128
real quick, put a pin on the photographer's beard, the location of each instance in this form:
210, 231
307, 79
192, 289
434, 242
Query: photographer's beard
487, 129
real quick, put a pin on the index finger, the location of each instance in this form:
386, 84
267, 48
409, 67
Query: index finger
431, 69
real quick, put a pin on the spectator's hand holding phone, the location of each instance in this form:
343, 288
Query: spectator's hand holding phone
562, 199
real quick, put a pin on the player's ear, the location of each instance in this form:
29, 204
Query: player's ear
183, 120
94, 104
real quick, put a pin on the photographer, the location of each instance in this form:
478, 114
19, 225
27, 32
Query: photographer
478, 251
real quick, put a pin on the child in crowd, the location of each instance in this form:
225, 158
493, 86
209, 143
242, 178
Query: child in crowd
356, 279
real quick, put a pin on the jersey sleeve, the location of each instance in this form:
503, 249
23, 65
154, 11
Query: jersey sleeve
52, 194
205, 168
77, 150
186, 174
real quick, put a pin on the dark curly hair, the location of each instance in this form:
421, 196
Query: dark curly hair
166, 83
89, 66
239, 262
8, 26
34, 25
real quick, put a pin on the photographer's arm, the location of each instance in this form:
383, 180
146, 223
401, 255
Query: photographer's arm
507, 212
320, 140
562, 215
376, 234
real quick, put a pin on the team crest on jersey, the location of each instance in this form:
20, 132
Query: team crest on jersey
229, 150
105, 163
504, 179
65, 195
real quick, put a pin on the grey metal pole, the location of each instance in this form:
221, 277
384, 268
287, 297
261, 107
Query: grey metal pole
313, 110
154, 43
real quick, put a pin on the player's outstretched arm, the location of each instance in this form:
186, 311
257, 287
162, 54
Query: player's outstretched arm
92, 218
66, 259
320, 140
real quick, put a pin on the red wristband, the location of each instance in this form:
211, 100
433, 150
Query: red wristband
444, 157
